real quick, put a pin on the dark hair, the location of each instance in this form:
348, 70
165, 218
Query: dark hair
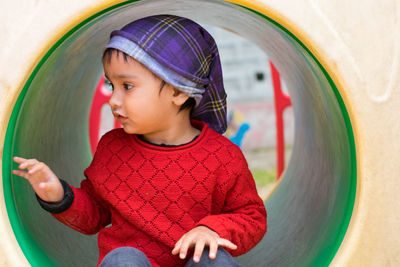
189, 103
109, 51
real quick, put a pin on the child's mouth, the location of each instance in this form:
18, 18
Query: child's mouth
120, 118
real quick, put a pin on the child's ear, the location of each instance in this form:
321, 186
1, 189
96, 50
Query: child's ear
178, 98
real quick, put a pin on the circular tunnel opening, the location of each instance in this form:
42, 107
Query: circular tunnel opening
308, 213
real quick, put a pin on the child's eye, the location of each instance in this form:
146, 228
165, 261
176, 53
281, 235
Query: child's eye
128, 86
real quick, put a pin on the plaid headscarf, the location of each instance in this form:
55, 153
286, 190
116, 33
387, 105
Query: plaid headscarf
183, 54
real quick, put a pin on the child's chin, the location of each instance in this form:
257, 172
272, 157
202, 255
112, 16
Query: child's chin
128, 130
131, 130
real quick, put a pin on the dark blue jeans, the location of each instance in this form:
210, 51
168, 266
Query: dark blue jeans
132, 257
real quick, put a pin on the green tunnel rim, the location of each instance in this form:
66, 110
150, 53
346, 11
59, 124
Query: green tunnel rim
38, 259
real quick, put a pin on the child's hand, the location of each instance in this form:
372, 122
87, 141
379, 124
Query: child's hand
45, 183
199, 237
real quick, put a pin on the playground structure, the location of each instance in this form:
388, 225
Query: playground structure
281, 102
337, 202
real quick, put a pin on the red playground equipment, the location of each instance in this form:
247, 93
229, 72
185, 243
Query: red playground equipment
282, 101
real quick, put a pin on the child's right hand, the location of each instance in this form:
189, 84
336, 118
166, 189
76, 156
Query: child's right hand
43, 180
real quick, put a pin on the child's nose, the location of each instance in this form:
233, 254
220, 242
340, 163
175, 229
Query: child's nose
115, 100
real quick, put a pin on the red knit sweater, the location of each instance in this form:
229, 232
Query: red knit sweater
152, 195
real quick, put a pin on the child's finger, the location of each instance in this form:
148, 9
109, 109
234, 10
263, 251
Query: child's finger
184, 248
28, 163
213, 249
19, 159
226, 243
198, 250
34, 169
177, 247
21, 173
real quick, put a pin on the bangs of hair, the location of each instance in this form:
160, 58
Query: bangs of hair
109, 51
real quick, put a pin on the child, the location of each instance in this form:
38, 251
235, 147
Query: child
168, 180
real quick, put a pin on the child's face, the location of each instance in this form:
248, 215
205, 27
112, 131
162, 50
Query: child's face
137, 102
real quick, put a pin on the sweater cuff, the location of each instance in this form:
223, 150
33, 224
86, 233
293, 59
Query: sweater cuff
63, 205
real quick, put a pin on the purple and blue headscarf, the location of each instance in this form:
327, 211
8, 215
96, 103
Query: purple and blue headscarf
183, 54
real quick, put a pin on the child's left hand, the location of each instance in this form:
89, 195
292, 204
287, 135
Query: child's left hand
199, 237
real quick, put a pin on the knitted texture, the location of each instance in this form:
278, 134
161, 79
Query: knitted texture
152, 195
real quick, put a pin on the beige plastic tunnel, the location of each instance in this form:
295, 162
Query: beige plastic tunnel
337, 203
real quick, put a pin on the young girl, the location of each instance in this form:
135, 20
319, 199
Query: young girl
167, 181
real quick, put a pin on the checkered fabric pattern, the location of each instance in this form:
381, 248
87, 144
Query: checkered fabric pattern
182, 53
152, 195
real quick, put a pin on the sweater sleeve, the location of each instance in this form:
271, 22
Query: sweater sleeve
243, 217
82, 209
87, 214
